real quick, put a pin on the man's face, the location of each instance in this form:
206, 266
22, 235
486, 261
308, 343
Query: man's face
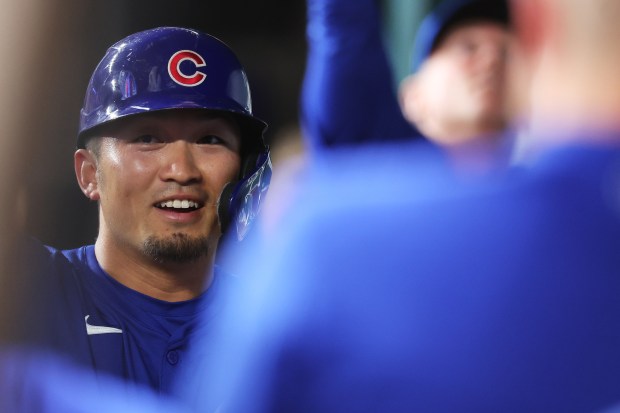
461, 85
158, 180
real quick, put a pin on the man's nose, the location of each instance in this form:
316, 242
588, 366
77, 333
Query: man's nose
180, 164
493, 55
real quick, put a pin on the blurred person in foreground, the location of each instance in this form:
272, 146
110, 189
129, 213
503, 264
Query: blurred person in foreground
34, 381
393, 288
455, 95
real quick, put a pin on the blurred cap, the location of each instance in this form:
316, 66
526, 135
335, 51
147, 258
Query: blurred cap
448, 13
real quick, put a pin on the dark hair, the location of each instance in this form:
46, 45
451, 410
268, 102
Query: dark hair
475, 11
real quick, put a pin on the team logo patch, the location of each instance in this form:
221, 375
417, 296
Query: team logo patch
186, 79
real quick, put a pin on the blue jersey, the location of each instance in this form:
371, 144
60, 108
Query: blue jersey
83, 313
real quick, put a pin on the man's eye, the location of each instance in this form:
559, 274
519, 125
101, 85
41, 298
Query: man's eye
468, 46
210, 140
146, 139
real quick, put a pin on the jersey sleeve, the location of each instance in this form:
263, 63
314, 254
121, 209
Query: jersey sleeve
348, 95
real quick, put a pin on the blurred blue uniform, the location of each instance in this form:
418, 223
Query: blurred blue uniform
79, 311
390, 293
42, 383
348, 92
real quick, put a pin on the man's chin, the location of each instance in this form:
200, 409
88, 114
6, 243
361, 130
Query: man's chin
177, 248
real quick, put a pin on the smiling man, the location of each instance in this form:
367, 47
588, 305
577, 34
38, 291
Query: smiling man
158, 177
170, 150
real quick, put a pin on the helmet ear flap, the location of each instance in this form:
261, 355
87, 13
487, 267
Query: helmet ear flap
225, 202
249, 164
223, 206
240, 201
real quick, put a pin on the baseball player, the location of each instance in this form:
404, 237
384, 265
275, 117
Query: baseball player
454, 97
170, 150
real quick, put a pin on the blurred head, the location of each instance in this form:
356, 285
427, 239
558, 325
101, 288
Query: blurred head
458, 90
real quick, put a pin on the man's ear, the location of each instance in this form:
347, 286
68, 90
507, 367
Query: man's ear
85, 165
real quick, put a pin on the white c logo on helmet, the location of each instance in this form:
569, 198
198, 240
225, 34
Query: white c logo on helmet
174, 64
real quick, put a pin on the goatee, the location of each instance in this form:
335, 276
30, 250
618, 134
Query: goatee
178, 248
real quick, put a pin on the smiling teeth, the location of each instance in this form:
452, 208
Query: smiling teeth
177, 203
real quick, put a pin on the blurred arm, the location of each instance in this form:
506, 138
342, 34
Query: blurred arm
347, 94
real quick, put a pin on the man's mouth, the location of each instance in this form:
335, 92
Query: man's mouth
178, 205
